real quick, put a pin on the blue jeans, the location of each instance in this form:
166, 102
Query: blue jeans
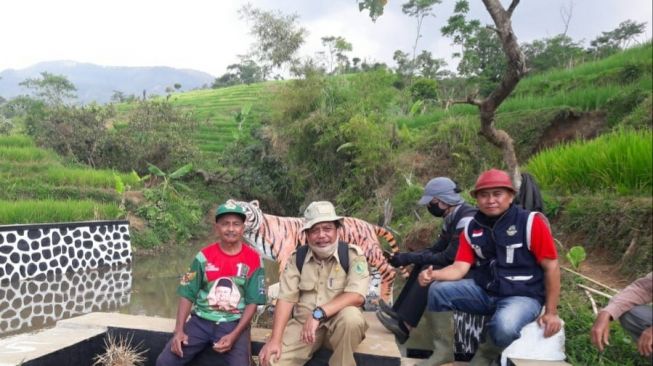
508, 315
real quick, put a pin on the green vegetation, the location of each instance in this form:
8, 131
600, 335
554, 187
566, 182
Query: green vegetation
619, 162
46, 211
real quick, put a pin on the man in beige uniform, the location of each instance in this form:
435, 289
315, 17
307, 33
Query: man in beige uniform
323, 299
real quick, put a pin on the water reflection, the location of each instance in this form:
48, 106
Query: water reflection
154, 291
36, 303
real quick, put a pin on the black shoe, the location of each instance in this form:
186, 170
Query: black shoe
387, 309
395, 326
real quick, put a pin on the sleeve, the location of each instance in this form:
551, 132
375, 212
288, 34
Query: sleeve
191, 281
444, 257
465, 252
358, 277
440, 243
637, 293
542, 245
255, 288
289, 281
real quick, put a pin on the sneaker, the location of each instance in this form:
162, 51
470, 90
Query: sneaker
395, 326
388, 310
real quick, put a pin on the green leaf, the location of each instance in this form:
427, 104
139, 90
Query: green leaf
576, 255
119, 186
182, 171
346, 145
155, 170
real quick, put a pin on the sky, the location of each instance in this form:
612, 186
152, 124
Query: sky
208, 35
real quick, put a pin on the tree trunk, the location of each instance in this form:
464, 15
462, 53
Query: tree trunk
516, 69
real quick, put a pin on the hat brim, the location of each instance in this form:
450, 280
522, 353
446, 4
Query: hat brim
310, 224
425, 200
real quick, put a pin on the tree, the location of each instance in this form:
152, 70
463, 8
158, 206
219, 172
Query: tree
515, 69
337, 47
430, 67
617, 39
278, 37
52, 89
481, 58
419, 9
548, 53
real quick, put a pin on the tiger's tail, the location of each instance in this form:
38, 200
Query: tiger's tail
392, 242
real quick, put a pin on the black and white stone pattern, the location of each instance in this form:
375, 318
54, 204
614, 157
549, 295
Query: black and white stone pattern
37, 303
29, 251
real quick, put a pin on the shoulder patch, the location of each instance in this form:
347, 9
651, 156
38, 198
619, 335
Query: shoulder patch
360, 266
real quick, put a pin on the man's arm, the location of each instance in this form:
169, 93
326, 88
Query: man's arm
550, 320
225, 343
180, 337
272, 347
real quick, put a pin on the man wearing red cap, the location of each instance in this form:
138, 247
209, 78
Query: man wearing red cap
516, 269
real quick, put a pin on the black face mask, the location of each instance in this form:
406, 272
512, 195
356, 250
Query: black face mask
435, 210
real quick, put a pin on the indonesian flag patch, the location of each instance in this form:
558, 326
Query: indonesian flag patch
477, 233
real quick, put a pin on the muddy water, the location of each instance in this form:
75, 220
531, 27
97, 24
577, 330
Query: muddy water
146, 287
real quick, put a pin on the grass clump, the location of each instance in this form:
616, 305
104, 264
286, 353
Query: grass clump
620, 162
47, 211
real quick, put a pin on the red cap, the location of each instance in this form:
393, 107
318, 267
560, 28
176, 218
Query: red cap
493, 178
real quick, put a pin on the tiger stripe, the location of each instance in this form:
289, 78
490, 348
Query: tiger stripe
277, 237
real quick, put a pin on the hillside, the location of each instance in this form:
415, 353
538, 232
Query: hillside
98, 83
39, 187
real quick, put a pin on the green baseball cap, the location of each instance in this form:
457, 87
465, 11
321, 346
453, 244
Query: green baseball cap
230, 208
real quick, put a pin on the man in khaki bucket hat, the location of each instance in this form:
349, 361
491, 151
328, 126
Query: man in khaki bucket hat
321, 294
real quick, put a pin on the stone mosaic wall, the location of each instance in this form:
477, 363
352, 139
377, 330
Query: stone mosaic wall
36, 303
33, 251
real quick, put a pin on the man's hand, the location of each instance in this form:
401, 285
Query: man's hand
270, 351
426, 276
308, 331
180, 338
225, 343
551, 324
645, 343
601, 331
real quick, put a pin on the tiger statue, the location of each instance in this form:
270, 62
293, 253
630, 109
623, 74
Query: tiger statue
277, 237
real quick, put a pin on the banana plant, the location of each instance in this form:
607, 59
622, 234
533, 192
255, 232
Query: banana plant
171, 180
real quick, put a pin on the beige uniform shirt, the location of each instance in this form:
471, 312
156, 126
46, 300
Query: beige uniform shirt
321, 281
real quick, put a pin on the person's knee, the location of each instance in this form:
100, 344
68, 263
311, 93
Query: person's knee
351, 318
436, 298
504, 331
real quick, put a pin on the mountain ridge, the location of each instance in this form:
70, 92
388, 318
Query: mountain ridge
99, 82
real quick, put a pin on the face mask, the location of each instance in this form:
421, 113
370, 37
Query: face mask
324, 252
435, 210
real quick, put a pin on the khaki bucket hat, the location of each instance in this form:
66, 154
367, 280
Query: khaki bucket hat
320, 211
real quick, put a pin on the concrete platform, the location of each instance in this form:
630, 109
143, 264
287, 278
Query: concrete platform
24, 347
379, 347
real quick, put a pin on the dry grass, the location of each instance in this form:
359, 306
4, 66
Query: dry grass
120, 352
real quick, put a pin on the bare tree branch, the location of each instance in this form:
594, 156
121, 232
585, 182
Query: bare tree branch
512, 7
492, 29
566, 13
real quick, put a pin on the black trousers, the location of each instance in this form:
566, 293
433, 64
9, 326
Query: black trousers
411, 303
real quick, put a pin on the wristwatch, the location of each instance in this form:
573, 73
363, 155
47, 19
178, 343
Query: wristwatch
319, 314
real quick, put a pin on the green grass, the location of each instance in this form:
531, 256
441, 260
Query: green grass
37, 186
46, 211
621, 162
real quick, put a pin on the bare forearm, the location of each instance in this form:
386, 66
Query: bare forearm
552, 285
282, 313
183, 311
245, 320
341, 301
453, 272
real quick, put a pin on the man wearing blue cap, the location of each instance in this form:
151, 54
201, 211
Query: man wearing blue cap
220, 293
442, 199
